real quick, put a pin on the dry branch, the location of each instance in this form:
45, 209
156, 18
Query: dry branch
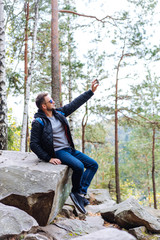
89, 16
133, 119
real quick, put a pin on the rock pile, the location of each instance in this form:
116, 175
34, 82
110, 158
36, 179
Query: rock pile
32, 196
130, 214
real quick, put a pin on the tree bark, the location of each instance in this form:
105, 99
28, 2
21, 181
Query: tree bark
26, 60
153, 169
118, 194
3, 99
116, 141
26, 43
69, 74
55, 66
30, 71
148, 179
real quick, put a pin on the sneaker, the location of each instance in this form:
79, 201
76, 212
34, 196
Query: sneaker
78, 201
86, 202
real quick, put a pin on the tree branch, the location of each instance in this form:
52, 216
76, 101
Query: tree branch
147, 120
94, 142
89, 16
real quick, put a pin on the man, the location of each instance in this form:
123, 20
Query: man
52, 142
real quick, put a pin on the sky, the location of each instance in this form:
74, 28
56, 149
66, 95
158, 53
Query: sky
100, 9
110, 8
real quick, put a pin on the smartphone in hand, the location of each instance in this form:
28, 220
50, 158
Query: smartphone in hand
97, 81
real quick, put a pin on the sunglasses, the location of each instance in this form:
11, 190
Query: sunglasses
50, 101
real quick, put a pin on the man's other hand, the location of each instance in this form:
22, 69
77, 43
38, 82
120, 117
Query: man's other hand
94, 85
55, 161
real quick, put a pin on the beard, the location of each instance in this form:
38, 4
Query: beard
50, 109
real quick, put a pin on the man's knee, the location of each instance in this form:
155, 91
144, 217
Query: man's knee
79, 168
96, 166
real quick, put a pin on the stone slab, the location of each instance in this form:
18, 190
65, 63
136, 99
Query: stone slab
37, 187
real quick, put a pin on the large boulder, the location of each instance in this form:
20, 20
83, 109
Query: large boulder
130, 214
100, 200
69, 228
142, 234
107, 234
14, 221
100, 196
37, 187
153, 211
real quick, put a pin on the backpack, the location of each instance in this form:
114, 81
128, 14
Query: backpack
41, 121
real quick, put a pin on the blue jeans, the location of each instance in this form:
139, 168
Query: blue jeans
76, 160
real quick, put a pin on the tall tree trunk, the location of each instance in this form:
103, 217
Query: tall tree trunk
26, 61
26, 43
153, 169
148, 180
3, 99
116, 142
118, 194
55, 65
70, 75
30, 71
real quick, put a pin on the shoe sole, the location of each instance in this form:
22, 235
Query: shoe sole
74, 201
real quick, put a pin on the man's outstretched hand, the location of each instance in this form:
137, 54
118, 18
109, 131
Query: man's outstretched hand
94, 85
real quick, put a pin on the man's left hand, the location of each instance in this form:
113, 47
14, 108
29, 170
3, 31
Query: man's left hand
94, 85
55, 161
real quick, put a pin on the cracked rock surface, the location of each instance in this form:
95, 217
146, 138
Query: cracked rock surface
38, 188
13, 221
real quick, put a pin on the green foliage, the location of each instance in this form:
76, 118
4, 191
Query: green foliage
71, 66
138, 110
146, 101
14, 82
136, 177
14, 132
99, 146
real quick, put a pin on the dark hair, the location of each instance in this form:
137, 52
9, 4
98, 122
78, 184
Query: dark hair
40, 99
